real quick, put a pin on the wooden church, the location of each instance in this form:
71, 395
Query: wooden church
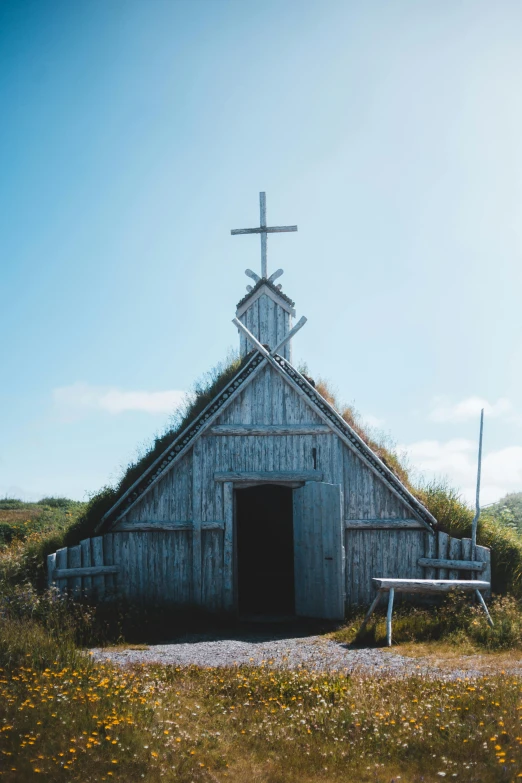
267, 503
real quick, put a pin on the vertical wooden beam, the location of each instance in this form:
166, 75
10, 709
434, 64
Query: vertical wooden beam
228, 546
262, 223
483, 555
109, 559
483, 604
197, 490
86, 562
98, 582
443, 544
454, 551
51, 565
431, 553
369, 613
465, 546
74, 560
61, 562
389, 617
117, 555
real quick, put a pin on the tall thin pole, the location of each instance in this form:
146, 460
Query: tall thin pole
262, 222
477, 499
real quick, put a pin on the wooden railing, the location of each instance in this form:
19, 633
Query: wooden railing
451, 558
86, 568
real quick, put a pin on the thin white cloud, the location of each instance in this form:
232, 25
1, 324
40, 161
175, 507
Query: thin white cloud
82, 396
456, 459
469, 408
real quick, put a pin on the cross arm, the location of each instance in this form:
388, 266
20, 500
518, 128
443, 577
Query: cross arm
249, 273
255, 342
263, 230
299, 325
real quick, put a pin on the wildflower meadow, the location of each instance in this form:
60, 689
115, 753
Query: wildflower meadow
65, 716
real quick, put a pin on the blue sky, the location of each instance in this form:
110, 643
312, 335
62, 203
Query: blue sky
136, 134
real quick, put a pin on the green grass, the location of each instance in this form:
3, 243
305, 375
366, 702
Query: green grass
508, 510
28, 533
456, 621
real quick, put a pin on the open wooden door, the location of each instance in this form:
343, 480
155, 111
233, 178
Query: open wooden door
318, 551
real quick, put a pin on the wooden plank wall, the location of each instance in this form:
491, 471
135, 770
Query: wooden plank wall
395, 554
444, 547
169, 499
179, 553
91, 552
267, 321
365, 495
154, 567
369, 553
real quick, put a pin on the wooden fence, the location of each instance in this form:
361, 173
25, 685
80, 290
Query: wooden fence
157, 566
88, 567
451, 558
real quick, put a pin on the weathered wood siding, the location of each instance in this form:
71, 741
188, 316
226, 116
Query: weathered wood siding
365, 495
176, 543
318, 547
373, 553
154, 567
188, 496
268, 322
169, 499
212, 569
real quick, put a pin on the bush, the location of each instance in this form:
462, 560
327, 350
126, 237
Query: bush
56, 502
455, 518
11, 503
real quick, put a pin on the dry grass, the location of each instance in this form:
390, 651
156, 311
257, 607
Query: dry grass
465, 657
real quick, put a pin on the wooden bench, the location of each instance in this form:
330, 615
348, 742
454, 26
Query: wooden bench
433, 586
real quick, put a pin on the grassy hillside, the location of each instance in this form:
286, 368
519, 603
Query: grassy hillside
508, 510
31, 531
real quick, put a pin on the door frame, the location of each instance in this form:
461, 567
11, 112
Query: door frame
230, 565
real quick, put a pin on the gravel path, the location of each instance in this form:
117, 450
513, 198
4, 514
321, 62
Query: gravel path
289, 651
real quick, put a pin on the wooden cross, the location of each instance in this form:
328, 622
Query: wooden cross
263, 230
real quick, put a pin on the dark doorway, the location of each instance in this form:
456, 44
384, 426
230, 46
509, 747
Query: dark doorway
265, 550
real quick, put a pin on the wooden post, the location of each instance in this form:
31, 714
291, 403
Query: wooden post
51, 565
369, 613
389, 617
61, 562
74, 560
228, 540
196, 524
98, 582
481, 600
86, 562
477, 499
262, 224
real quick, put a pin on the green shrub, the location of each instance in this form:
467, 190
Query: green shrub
11, 503
53, 502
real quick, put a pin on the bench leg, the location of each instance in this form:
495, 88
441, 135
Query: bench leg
369, 613
389, 617
481, 599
